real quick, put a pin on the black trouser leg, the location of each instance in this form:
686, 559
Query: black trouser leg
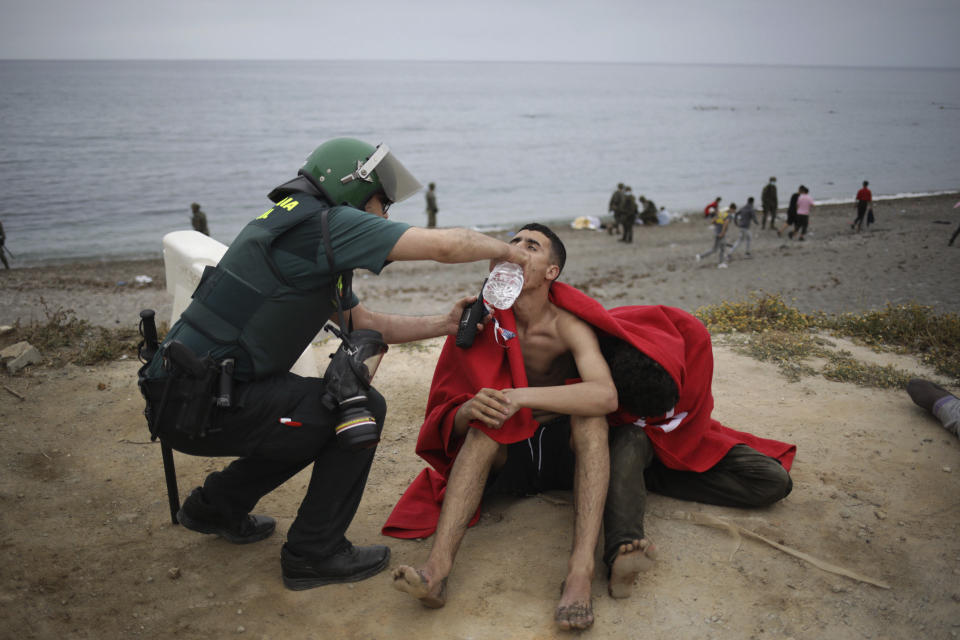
742, 478
333, 495
235, 490
271, 453
861, 212
630, 454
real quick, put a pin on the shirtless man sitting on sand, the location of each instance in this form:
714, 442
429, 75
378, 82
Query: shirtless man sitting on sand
556, 346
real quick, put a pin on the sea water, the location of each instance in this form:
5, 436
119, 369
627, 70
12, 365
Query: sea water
103, 158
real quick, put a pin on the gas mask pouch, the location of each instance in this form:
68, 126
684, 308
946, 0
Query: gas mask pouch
347, 381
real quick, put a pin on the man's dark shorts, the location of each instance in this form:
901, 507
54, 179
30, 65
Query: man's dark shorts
543, 462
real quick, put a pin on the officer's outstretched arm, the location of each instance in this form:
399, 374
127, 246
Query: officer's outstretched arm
452, 246
396, 328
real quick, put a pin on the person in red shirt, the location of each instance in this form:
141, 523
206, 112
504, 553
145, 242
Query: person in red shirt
864, 198
711, 209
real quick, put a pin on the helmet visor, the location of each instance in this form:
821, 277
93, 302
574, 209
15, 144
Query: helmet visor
398, 183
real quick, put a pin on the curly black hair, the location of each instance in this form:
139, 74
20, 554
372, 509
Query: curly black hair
643, 386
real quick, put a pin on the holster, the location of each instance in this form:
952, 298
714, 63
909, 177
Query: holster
185, 397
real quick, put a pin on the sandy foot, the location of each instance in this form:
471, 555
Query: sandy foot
575, 610
415, 583
633, 558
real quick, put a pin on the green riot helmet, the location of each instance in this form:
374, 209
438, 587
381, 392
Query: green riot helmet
349, 171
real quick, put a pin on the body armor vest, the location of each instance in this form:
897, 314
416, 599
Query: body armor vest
250, 311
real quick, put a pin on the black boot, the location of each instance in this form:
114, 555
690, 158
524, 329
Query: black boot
925, 393
350, 564
198, 515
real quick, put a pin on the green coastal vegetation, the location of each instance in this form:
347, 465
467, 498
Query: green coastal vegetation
767, 328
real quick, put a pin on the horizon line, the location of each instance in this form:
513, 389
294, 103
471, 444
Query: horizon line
469, 61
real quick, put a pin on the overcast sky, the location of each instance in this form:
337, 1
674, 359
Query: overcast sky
908, 33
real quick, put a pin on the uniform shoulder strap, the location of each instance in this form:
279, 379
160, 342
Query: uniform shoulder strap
342, 283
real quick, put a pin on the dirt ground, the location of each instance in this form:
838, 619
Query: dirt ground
88, 549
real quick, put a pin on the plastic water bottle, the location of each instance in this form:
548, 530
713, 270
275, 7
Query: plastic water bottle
503, 285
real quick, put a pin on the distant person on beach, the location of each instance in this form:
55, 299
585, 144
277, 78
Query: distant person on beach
804, 207
664, 216
614, 207
720, 223
648, 215
957, 232
480, 440
628, 215
745, 217
791, 214
712, 208
199, 219
283, 277
938, 401
3, 248
864, 198
432, 205
769, 201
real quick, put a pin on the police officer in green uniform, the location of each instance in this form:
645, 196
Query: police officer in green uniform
3, 249
628, 215
198, 219
432, 209
616, 204
649, 212
261, 306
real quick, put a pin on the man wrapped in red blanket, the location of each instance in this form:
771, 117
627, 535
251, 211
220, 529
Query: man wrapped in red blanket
662, 436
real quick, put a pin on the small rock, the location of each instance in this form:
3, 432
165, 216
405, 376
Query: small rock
946, 469
880, 514
19, 355
173, 573
241, 629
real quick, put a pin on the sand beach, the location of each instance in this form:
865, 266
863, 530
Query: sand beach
88, 550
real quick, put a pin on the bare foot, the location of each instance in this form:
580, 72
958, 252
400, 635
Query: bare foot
632, 558
575, 610
416, 583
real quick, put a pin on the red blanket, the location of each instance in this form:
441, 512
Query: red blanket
687, 439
